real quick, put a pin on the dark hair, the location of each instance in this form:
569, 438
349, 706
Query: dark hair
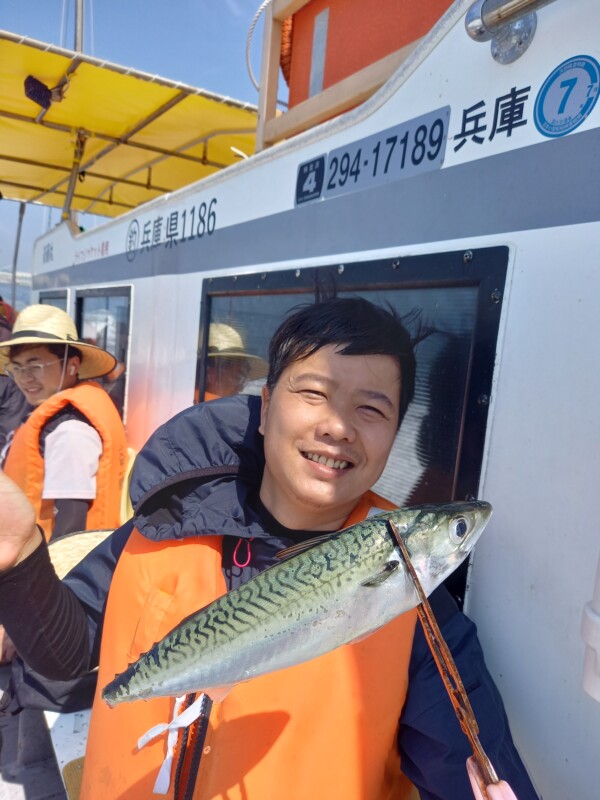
57, 350
359, 326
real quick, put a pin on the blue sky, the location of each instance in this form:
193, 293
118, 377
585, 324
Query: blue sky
199, 42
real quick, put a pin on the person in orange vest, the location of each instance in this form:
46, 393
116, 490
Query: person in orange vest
229, 367
218, 492
69, 455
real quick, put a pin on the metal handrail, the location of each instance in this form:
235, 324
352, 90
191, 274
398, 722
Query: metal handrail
487, 17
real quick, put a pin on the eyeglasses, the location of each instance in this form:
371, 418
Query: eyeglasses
16, 371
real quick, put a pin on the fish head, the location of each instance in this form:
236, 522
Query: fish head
439, 537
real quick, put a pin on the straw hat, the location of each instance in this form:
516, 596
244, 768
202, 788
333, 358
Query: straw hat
46, 324
69, 550
225, 342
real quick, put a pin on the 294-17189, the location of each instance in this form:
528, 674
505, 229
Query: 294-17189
415, 146
402, 151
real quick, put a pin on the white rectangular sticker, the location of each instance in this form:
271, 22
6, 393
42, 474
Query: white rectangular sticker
416, 146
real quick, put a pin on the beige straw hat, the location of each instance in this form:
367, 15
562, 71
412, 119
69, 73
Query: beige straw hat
225, 342
46, 324
69, 550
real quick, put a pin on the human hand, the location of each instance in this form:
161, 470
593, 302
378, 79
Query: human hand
19, 535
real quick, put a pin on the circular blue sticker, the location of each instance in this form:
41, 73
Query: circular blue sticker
567, 96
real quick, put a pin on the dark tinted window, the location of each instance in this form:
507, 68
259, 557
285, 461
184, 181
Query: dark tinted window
54, 298
102, 317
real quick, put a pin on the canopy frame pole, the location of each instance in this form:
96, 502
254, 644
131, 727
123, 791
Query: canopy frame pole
13, 294
79, 149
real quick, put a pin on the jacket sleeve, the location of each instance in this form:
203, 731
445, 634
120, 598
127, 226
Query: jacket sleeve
13, 405
48, 619
13, 409
81, 597
433, 748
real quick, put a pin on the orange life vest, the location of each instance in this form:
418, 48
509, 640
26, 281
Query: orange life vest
25, 465
323, 730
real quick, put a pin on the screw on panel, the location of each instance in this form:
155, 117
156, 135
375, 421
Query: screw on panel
235, 277
298, 273
263, 277
469, 498
468, 257
483, 399
340, 269
395, 263
496, 296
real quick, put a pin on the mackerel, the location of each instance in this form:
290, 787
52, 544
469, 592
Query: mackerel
324, 593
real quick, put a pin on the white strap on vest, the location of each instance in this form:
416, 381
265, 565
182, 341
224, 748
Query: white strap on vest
183, 720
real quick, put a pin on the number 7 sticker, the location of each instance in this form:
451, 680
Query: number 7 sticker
567, 96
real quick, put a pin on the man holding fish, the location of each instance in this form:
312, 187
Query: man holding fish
323, 684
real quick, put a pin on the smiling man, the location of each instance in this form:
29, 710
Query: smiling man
69, 454
218, 492
329, 423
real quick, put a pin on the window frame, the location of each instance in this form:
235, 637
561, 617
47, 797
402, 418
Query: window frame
125, 291
482, 268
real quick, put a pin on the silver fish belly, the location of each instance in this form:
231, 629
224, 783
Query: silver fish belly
325, 594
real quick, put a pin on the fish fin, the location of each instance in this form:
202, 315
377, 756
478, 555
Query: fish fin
218, 693
380, 577
363, 636
301, 547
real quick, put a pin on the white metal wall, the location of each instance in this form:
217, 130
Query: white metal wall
534, 567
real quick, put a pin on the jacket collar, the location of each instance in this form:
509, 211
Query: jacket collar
194, 475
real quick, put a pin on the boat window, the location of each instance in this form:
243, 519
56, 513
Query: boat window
236, 350
54, 298
103, 318
454, 298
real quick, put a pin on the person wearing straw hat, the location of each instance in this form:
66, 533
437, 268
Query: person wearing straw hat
229, 366
69, 455
218, 491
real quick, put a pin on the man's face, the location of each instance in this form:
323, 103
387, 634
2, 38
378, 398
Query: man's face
226, 375
38, 384
329, 425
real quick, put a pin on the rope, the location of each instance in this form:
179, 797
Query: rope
253, 24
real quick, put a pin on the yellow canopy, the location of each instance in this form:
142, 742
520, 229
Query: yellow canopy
111, 138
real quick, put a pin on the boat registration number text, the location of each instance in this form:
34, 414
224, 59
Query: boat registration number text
400, 152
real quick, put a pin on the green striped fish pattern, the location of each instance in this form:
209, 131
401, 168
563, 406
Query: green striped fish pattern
324, 593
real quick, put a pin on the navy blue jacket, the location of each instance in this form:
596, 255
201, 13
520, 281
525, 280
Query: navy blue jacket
14, 408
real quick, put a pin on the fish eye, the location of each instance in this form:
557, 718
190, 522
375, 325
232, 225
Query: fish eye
459, 527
